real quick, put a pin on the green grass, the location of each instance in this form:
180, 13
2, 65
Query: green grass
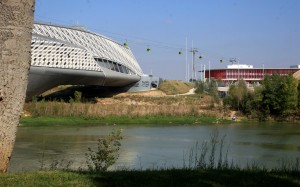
110, 120
43, 178
163, 177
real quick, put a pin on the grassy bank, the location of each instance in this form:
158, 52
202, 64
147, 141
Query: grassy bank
172, 87
126, 106
167, 177
119, 120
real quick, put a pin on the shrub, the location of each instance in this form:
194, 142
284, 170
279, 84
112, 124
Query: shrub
107, 152
77, 96
200, 86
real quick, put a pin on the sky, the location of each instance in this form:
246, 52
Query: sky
262, 33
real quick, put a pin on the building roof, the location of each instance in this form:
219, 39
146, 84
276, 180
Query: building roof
251, 69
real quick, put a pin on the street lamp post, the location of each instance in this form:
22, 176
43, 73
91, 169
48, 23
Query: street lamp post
200, 72
186, 62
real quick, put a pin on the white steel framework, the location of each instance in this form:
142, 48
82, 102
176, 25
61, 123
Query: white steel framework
66, 47
72, 55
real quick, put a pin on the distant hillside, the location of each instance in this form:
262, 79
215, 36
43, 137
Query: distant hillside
297, 75
171, 87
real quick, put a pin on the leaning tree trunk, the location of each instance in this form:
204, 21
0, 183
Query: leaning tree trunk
16, 22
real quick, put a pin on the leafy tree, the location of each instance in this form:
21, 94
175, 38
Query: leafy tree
279, 95
246, 104
290, 102
16, 22
237, 95
256, 102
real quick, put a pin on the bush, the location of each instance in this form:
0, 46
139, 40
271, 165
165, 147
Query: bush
77, 96
107, 152
200, 86
213, 91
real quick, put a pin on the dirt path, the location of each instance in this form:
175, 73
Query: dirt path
190, 92
155, 93
151, 93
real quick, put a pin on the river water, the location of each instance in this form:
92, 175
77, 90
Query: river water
156, 146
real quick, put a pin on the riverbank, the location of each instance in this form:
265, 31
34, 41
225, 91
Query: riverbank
153, 107
121, 120
168, 100
163, 177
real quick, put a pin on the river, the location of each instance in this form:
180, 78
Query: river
150, 147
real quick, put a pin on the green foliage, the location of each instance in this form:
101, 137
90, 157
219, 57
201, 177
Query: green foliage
255, 104
213, 91
77, 96
33, 105
237, 97
277, 97
212, 87
246, 102
200, 86
46, 178
71, 100
280, 95
107, 152
299, 94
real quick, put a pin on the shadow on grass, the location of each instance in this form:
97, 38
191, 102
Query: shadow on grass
182, 177
165, 177
89, 93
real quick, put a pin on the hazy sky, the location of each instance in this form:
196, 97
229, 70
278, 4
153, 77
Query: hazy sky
256, 32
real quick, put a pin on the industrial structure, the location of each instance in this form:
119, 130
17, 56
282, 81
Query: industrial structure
74, 56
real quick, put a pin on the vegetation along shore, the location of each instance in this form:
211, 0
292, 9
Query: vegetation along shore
265, 103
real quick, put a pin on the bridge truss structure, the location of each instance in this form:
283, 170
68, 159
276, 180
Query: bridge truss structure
63, 55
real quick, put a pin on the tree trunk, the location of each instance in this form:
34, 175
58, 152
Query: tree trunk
16, 22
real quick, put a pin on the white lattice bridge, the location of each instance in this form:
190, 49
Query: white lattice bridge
74, 56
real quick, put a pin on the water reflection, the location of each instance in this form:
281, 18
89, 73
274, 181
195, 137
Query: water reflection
154, 147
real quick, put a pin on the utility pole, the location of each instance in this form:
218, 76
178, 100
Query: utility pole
186, 62
194, 51
203, 72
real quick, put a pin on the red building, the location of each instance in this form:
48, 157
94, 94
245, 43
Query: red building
249, 74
